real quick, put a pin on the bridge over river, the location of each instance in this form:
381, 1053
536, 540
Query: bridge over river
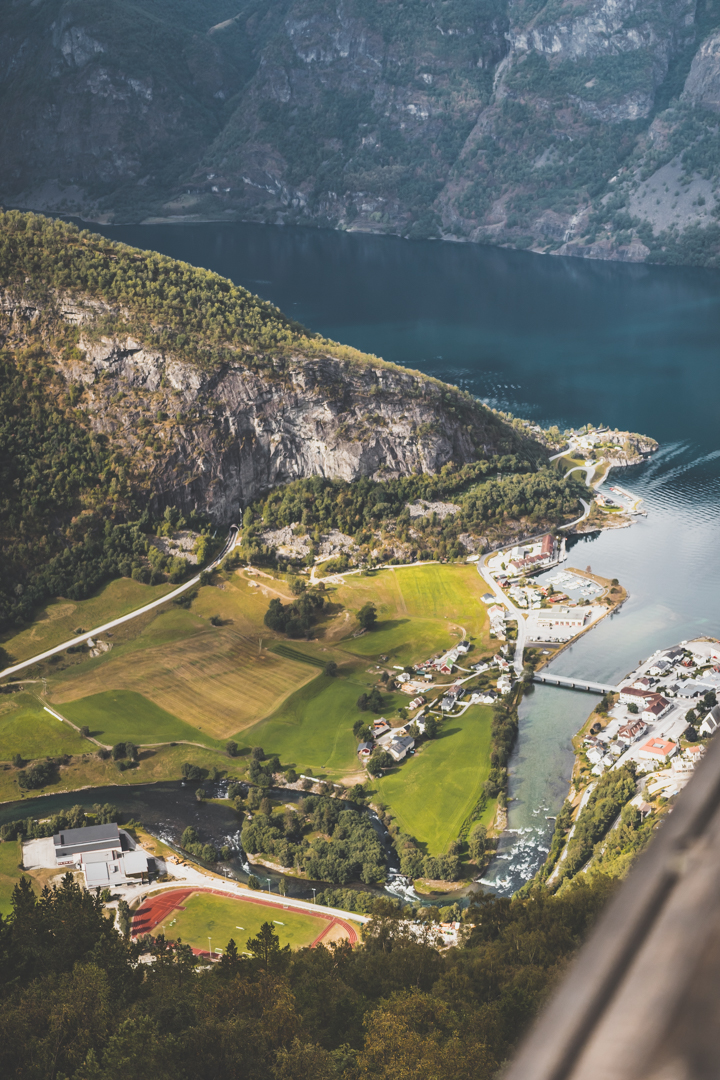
574, 683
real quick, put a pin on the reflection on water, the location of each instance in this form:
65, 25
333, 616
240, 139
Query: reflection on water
561, 341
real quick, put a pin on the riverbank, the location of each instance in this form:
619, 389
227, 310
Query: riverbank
653, 732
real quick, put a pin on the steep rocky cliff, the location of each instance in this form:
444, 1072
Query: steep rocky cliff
214, 441
513, 122
240, 401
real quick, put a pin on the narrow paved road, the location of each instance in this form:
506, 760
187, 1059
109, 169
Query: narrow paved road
515, 611
586, 510
230, 543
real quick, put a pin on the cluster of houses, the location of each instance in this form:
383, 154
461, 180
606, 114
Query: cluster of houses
497, 615
681, 665
396, 741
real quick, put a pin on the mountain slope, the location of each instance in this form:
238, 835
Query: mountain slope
133, 384
515, 122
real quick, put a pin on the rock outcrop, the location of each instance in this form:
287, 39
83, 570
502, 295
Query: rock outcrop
702, 86
212, 440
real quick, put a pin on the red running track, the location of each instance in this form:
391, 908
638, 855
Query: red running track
156, 909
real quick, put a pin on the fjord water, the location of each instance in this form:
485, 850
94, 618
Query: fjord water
561, 341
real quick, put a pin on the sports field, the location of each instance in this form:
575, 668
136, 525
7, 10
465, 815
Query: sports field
433, 792
313, 729
421, 610
121, 715
60, 620
26, 729
204, 915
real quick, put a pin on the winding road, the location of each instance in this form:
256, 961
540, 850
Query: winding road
229, 545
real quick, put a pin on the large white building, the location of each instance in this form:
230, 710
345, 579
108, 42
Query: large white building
97, 850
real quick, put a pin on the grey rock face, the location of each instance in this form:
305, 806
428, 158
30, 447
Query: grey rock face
214, 440
702, 86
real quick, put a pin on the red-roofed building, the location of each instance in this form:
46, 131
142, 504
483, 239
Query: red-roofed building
656, 708
657, 750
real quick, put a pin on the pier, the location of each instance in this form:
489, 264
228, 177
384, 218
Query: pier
574, 683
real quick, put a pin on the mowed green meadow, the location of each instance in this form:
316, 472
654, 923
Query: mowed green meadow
312, 730
126, 716
26, 729
421, 610
432, 793
221, 918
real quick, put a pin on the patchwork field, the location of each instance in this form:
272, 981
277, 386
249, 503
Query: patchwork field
312, 731
215, 679
60, 620
205, 915
434, 791
26, 729
121, 715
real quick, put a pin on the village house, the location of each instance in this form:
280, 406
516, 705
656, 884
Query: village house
660, 667
504, 684
657, 708
399, 748
711, 722
365, 749
629, 695
628, 733
380, 727
643, 684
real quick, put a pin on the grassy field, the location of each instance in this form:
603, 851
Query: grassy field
432, 793
26, 729
121, 715
421, 610
223, 918
60, 620
312, 731
9, 874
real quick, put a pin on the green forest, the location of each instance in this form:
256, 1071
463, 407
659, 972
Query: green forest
345, 846
78, 1003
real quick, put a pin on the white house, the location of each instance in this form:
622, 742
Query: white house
656, 709
398, 748
711, 722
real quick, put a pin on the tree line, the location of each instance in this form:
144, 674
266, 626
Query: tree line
77, 1002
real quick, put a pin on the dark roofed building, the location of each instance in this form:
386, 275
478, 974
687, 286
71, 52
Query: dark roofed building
72, 844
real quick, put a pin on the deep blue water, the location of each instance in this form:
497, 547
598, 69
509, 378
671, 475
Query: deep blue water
561, 341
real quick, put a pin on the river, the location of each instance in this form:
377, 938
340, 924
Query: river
557, 340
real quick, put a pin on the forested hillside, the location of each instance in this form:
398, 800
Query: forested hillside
140, 392
77, 1003
587, 129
